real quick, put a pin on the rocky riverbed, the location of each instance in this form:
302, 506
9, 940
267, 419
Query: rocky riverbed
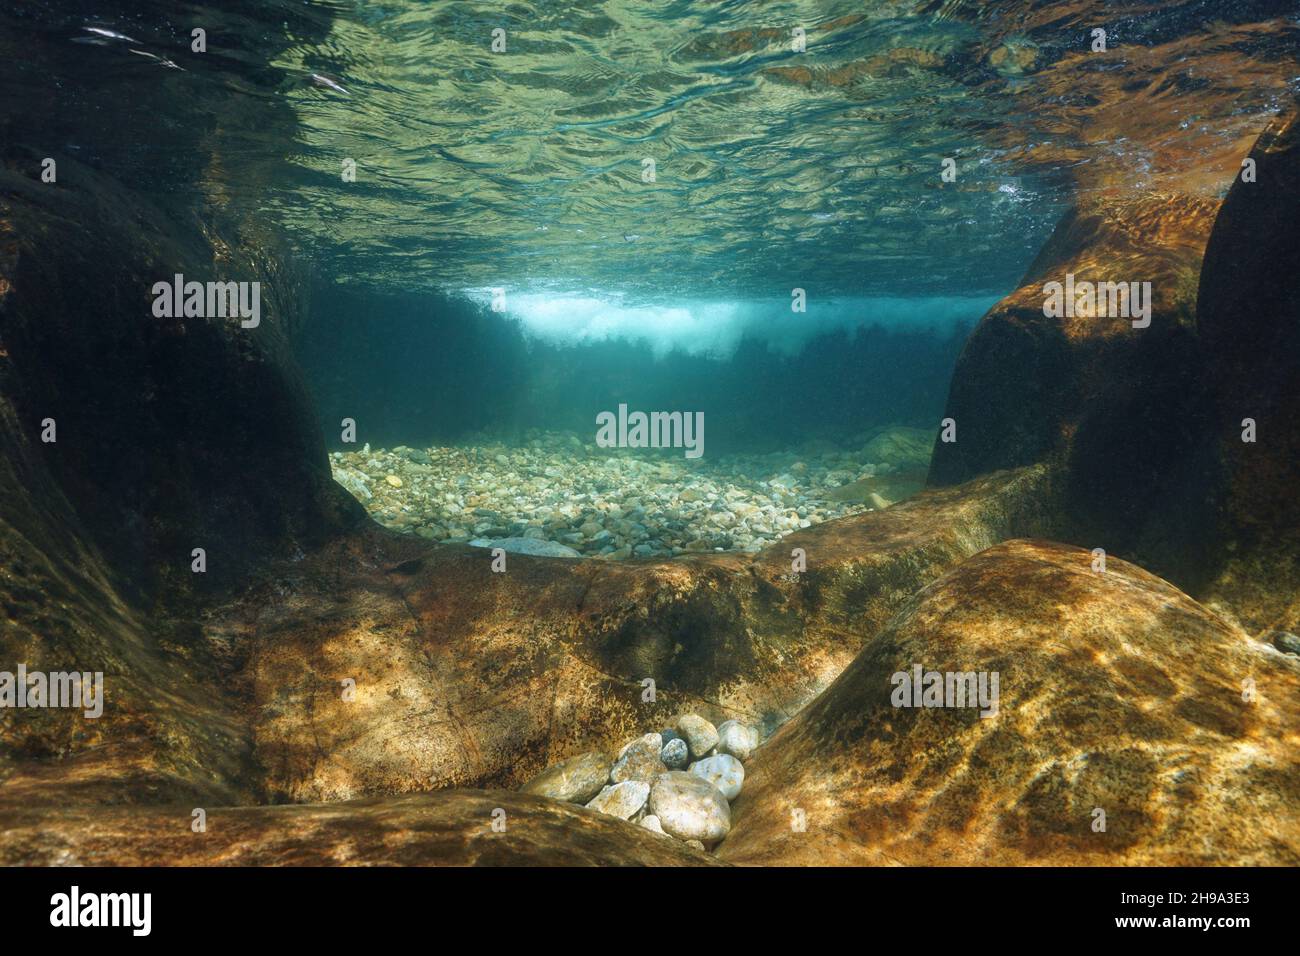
558, 494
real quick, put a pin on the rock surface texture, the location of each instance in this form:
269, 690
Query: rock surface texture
1254, 340
447, 828
1117, 694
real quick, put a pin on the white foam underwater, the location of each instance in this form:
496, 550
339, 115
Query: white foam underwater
716, 327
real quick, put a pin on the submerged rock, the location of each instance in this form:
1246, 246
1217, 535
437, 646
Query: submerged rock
1248, 319
903, 448
622, 799
700, 735
736, 739
576, 780
723, 771
1120, 701
639, 761
689, 807
545, 549
675, 754
443, 827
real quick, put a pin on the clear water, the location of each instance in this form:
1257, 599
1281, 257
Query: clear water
527, 171
773, 168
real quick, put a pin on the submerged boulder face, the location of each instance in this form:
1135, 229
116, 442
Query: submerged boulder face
130, 440
171, 432
1119, 408
1248, 318
1133, 726
1025, 380
446, 828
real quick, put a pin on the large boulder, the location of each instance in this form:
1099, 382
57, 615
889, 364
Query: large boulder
1143, 427
446, 828
1248, 319
170, 435
1133, 726
1118, 409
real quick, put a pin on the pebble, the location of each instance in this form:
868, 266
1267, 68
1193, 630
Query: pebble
701, 736
576, 780
675, 754
651, 822
621, 799
619, 504
689, 807
736, 739
723, 771
639, 760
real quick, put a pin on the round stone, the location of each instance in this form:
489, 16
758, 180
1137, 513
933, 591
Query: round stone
675, 754
701, 736
723, 771
689, 807
737, 739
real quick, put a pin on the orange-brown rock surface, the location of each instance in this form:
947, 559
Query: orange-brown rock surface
1143, 426
447, 828
1117, 693
1089, 389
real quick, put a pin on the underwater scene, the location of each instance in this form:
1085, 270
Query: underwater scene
621, 433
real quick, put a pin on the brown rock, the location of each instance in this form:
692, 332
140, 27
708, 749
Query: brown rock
640, 761
1117, 692
1248, 318
447, 828
1088, 391
468, 678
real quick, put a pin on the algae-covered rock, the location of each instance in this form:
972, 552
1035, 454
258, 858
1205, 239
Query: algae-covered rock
443, 828
1131, 726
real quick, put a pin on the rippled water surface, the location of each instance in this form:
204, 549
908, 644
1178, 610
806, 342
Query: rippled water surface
773, 168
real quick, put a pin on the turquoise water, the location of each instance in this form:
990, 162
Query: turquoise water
785, 214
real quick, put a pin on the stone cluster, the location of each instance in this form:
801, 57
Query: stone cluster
679, 781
